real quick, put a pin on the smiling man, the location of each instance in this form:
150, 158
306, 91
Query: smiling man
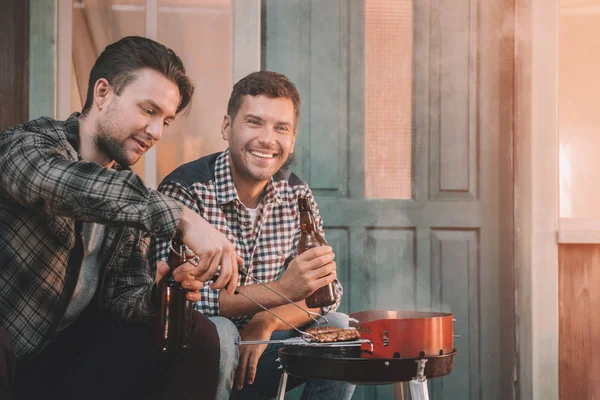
245, 193
76, 290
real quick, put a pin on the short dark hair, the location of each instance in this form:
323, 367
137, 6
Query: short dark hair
267, 83
120, 60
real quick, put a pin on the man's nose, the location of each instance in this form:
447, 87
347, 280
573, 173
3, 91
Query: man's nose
268, 135
155, 129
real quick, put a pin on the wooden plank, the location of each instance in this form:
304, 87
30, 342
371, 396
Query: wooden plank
245, 50
42, 59
421, 101
286, 46
356, 105
397, 213
338, 239
453, 75
14, 68
328, 94
391, 269
455, 287
579, 328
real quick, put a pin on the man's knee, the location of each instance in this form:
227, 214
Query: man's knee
228, 336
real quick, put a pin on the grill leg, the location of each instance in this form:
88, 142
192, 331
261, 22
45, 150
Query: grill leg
282, 385
400, 390
418, 385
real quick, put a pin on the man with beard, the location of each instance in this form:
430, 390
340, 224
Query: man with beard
245, 193
77, 295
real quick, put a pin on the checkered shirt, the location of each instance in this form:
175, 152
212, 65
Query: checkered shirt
206, 186
45, 193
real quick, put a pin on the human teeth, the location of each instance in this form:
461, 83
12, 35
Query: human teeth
261, 155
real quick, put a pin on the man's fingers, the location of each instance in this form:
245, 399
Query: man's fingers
225, 272
193, 296
212, 266
162, 269
183, 271
325, 280
240, 372
320, 261
315, 252
252, 364
233, 282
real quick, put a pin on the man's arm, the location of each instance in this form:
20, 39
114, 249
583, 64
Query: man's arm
305, 274
38, 172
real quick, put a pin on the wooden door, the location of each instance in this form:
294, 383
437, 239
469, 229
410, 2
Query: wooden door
450, 245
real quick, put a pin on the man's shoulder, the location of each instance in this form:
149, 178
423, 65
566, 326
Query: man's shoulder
201, 170
42, 125
288, 178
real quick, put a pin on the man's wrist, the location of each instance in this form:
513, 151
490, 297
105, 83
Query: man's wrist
279, 288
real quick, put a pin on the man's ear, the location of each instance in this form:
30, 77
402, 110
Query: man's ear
226, 127
102, 93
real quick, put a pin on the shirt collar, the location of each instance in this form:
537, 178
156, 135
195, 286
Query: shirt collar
72, 130
225, 187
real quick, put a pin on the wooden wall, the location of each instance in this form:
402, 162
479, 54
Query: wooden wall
579, 321
14, 59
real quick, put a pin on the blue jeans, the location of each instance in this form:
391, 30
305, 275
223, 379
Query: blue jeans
266, 383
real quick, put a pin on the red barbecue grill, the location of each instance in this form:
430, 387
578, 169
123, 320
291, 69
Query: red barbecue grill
395, 346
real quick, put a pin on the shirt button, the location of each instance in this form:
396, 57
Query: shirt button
246, 223
279, 253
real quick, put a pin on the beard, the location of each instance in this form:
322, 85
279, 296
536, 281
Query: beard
108, 142
113, 148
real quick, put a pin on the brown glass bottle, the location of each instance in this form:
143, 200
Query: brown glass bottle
174, 313
309, 238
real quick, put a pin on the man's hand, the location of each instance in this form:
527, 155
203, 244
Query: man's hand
259, 328
215, 253
181, 274
309, 271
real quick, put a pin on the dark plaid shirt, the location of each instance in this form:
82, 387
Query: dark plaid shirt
45, 190
206, 186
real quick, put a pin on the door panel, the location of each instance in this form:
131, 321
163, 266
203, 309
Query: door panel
449, 247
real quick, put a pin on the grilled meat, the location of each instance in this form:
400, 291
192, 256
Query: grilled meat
328, 334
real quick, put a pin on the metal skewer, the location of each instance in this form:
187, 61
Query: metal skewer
304, 334
310, 314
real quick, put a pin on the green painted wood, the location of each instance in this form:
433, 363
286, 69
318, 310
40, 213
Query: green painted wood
338, 239
42, 58
307, 41
435, 240
285, 50
455, 288
328, 96
391, 268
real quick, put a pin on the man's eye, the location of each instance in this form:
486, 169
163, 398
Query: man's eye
282, 128
253, 122
147, 110
166, 123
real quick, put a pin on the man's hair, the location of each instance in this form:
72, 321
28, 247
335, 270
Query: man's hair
266, 83
119, 62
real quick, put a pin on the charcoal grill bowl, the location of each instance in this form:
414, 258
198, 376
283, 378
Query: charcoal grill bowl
345, 364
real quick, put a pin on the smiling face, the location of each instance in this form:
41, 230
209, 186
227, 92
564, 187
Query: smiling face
261, 137
130, 123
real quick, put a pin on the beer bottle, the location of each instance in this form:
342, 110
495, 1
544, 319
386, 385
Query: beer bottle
174, 313
309, 238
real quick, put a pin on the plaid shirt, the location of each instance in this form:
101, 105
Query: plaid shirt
206, 186
45, 189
